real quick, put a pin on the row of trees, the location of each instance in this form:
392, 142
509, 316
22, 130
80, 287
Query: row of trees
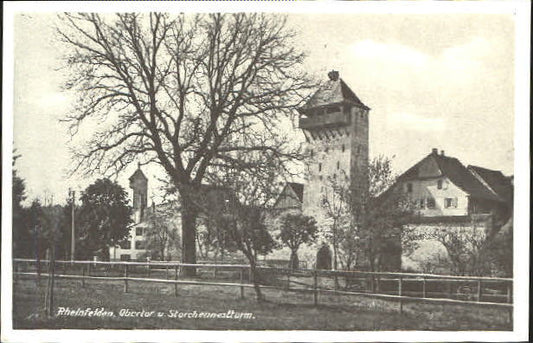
102, 220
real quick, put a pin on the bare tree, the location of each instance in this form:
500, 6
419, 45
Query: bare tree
470, 246
366, 235
161, 232
175, 90
243, 218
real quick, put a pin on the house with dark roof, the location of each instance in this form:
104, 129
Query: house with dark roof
441, 186
290, 197
447, 197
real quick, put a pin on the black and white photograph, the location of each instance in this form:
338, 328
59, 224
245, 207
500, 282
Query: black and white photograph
253, 171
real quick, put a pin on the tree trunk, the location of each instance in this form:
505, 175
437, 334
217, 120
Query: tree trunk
294, 261
188, 232
255, 279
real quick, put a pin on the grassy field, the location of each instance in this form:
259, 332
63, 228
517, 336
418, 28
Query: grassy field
281, 311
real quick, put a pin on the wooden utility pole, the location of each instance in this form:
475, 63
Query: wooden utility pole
72, 238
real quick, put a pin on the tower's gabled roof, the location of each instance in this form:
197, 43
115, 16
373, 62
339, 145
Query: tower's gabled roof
333, 91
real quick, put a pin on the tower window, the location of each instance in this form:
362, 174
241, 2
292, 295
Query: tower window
439, 184
320, 167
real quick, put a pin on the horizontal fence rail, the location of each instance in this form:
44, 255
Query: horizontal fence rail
400, 287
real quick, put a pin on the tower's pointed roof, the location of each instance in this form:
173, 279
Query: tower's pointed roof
138, 174
333, 91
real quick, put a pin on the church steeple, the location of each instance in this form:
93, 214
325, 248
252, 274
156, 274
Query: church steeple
139, 185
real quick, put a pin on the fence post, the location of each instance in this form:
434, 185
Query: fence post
315, 286
82, 275
126, 278
166, 271
400, 293
424, 287
149, 269
38, 267
242, 283
15, 271
478, 290
176, 283
510, 301
288, 279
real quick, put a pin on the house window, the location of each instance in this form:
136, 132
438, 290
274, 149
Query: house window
125, 245
439, 184
421, 203
430, 202
326, 149
320, 177
320, 167
338, 164
125, 257
139, 245
312, 152
334, 176
139, 231
409, 188
342, 148
450, 202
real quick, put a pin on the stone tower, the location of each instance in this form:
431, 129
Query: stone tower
139, 185
335, 124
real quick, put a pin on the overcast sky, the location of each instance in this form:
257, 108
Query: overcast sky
443, 81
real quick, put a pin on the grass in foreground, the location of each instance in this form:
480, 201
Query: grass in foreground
282, 311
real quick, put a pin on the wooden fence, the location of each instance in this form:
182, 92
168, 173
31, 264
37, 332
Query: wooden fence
399, 287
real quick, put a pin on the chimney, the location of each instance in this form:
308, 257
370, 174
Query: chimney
333, 75
442, 152
434, 151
